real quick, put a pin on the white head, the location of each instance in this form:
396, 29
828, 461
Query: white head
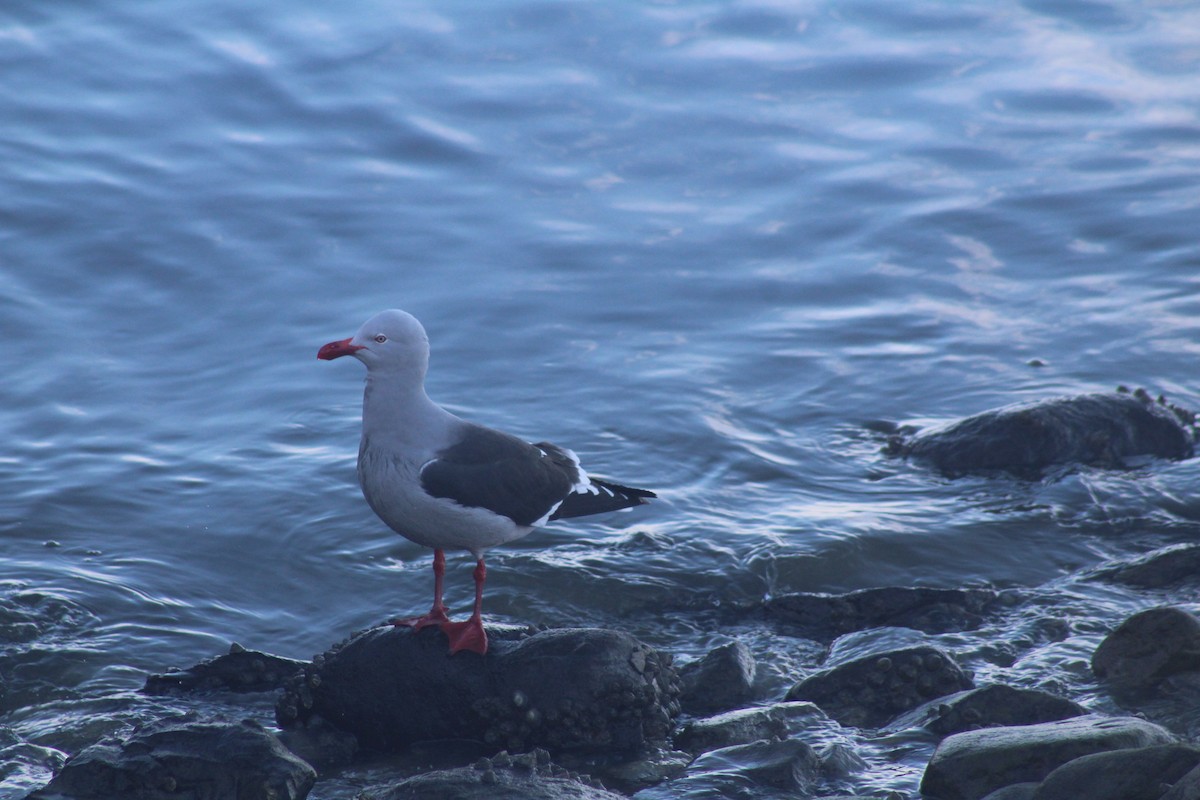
390, 341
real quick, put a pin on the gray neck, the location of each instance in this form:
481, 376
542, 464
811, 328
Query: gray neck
399, 413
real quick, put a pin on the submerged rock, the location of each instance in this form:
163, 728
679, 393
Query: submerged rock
240, 670
967, 766
733, 727
1104, 430
1166, 567
565, 690
531, 776
721, 680
790, 765
825, 617
185, 759
990, 706
1146, 648
28, 616
870, 691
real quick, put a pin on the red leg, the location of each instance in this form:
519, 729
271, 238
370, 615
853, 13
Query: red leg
470, 635
437, 614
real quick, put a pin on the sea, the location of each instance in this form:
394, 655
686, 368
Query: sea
712, 247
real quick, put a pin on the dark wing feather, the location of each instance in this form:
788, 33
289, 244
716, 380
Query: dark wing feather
608, 497
492, 470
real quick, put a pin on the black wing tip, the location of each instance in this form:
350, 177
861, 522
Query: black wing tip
613, 497
629, 492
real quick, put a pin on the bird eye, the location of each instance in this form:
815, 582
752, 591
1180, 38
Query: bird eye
380, 339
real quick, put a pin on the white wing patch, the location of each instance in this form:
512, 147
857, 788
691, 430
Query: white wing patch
583, 484
537, 523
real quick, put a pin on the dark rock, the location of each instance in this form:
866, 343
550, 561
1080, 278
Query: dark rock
870, 691
825, 617
1186, 788
530, 776
1166, 567
721, 680
840, 761
790, 765
240, 670
1103, 430
969, 765
1142, 773
733, 727
990, 706
1146, 648
320, 744
650, 769
1017, 791
566, 690
185, 759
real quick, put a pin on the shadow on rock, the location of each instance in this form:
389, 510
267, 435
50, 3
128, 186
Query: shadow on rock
824, 617
184, 759
240, 670
526, 777
567, 690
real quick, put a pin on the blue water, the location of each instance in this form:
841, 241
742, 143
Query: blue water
702, 244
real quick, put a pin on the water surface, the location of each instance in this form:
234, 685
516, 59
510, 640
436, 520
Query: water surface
705, 245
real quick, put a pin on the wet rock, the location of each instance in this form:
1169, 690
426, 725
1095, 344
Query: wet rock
721, 680
790, 765
840, 761
185, 759
1186, 788
1146, 648
531, 776
825, 617
969, 765
1142, 773
1169, 566
731, 728
565, 690
320, 744
990, 706
240, 670
1017, 791
1104, 430
870, 691
651, 769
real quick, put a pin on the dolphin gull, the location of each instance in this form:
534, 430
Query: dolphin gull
446, 483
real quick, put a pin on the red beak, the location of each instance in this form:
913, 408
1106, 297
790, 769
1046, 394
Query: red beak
338, 349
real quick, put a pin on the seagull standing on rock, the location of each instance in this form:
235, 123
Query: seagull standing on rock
446, 483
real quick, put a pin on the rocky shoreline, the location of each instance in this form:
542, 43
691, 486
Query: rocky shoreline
594, 713
590, 713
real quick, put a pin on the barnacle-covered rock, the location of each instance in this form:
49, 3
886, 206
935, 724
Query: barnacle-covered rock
870, 691
567, 690
1101, 429
239, 670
